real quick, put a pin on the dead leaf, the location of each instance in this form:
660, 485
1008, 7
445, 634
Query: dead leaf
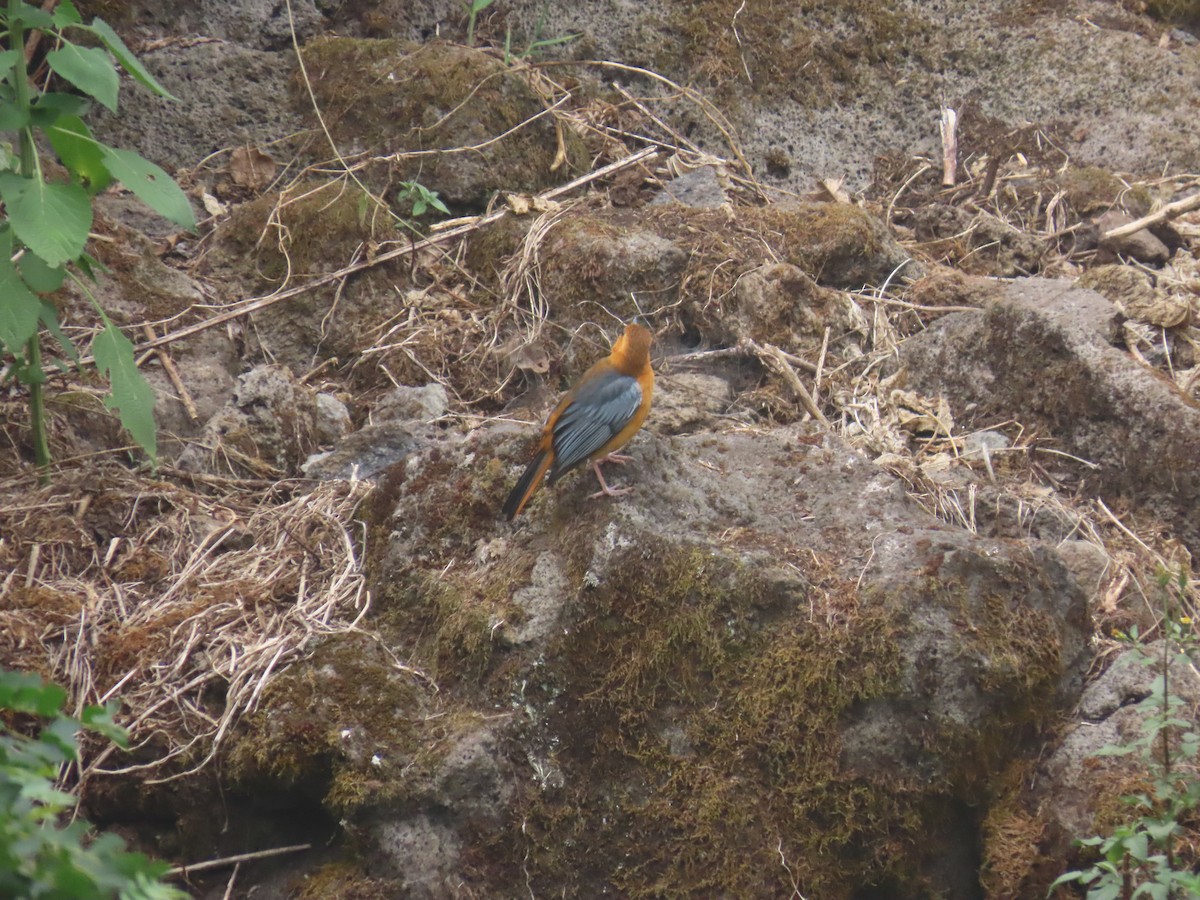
250, 168
520, 204
918, 414
212, 205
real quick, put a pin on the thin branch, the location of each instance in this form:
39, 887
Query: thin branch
1168, 212
234, 860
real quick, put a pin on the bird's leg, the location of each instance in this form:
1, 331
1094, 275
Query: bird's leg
605, 490
618, 458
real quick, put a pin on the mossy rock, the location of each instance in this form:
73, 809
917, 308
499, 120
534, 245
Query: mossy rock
443, 108
710, 689
335, 728
283, 239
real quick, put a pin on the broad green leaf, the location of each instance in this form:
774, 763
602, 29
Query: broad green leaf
125, 57
23, 692
79, 152
49, 318
40, 278
61, 104
132, 396
152, 185
9, 58
100, 719
12, 117
31, 16
60, 734
89, 69
52, 220
66, 14
19, 308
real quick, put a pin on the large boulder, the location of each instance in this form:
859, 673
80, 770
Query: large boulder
766, 652
1040, 353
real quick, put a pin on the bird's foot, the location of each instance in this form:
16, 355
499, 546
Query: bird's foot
605, 490
614, 457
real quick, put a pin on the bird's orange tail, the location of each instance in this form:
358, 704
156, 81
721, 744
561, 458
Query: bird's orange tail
529, 483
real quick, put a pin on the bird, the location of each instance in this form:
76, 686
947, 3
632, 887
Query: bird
594, 419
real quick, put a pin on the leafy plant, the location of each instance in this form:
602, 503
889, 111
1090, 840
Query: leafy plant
421, 198
1139, 858
46, 220
39, 858
474, 8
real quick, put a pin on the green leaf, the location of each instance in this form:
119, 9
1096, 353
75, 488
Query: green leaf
13, 117
22, 692
32, 17
89, 69
132, 396
19, 308
9, 58
41, 278
66, 14
49, 318
100, 719
152, 185
53, 220
125, 57
77, 149
60, 104
60, 734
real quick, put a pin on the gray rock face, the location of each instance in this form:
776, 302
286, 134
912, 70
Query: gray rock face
228, 94
1039, 353
980, 640
268, 427
1109, 714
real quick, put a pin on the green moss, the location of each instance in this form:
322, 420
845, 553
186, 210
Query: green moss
322, 724
812, 52
1176, 12
714, 735
389, 96
345, 880
312, 229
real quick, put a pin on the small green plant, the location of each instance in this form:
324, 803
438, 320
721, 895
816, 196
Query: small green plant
1138, 859
474, 8
40, 857
537, 44
421, 198
46, 221
534, 47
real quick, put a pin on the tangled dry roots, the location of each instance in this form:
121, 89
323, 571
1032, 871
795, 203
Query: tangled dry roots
180, 602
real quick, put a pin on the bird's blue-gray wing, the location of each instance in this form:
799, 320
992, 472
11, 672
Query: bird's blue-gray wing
599, 410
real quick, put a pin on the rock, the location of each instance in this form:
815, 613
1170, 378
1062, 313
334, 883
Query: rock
839, 245
333, 418
1087, 562
701, 188
318, 229
1108, 714
390, 97
617, 254
1135, 296
363, 454
980, 243
267, 429
766, 629
1141, 245
405, 403
689, 402
779, 304
1039, 354
227, 95
977, 444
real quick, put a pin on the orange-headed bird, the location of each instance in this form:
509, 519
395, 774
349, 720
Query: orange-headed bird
594, 419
